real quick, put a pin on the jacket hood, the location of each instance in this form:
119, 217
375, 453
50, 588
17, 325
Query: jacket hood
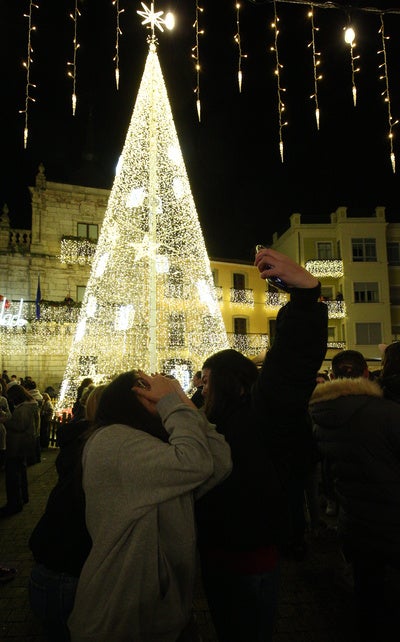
334, 402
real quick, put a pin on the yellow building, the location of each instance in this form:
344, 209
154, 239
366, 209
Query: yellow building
355, 258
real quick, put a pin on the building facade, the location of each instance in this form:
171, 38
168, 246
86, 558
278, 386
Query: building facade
44, 272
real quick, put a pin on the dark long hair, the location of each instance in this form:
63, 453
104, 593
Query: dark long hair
17, 394
231, 377
119, 404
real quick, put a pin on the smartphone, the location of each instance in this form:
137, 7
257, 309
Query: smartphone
274, 280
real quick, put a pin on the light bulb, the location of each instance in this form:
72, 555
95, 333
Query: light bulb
349, 35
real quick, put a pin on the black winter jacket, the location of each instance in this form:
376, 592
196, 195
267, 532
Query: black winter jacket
269, 434
60, 539
359, 432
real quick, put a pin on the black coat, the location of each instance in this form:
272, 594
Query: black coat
60, 539
269, 434
359, 432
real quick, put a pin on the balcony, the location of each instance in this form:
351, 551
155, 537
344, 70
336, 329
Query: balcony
76, 249
276, 299
325, 268
336, 309
218, 292
242, 297
20, 241
249, 344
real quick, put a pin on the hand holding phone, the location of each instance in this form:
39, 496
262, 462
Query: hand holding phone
274, 280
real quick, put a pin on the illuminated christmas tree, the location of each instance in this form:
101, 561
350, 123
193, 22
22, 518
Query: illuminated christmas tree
150, 300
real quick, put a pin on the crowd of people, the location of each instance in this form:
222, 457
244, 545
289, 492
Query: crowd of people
155, 485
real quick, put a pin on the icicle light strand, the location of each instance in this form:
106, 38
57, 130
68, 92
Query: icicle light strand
280, 89
349, 36
316, 63
386, 92
196, 56
238, 41
72, 65
118, 33
27, 64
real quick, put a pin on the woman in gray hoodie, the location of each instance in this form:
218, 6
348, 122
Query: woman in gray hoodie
152, 452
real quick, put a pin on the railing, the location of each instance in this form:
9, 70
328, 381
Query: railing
325, 268
275, 299
250, 344
336, 309
218, 292
242, 297
20, 240
76, 249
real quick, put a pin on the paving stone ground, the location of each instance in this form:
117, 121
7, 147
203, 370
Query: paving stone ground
316, 603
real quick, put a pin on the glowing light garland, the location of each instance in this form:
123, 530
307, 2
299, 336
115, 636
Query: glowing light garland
118, 33
196, 56
243, 297
27, 64
238, 41
154, 19
156, 315
77, 250
316, 62
280, 89
386, 92
349, 36
72, 72
320, 268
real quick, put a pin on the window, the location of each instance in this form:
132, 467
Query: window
393, 253
176, 330
80, 292
368, 333
396, 332
327, 292
331, 333
88, 231
240, 325
395, 295
324, 251
239, 281
364, 250
272, 330
366, 293
215, 276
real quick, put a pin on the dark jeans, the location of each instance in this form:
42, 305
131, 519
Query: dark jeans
52, 596
243, 607
16, 482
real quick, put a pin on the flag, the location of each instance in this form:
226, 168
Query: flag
38, 297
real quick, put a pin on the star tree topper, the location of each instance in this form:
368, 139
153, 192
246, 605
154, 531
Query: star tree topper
153, 18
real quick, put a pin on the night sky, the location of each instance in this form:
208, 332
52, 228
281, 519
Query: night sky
242, 190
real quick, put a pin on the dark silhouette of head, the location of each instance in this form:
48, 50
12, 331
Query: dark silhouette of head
349, 364
391, 360
118, 404
231, 376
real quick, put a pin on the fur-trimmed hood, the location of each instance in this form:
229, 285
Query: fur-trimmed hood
344, 387
334, 403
